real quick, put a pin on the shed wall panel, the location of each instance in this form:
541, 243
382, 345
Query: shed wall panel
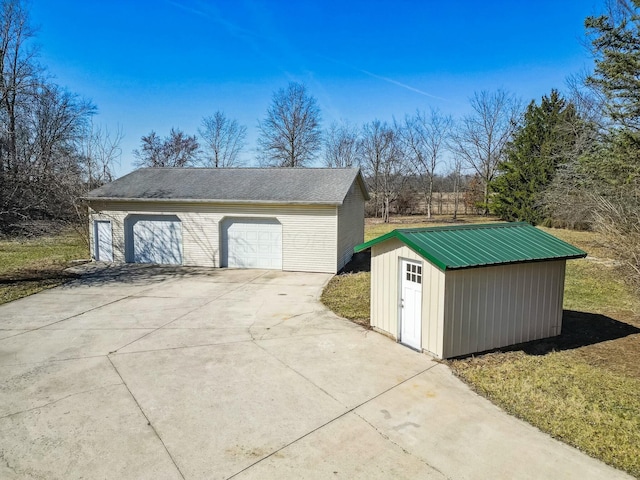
350, 224
385, 261
492, 307
309, 233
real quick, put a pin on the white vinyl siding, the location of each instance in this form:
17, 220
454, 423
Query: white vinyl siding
502, 305
309, 233
385, 261
350, 224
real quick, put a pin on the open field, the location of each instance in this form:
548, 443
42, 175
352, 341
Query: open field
582, 386
29, 266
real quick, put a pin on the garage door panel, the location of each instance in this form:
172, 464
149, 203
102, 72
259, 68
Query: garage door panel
252, 243
156, 239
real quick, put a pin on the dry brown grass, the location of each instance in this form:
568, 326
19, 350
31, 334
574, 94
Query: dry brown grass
30, 266
374, 227
348, 296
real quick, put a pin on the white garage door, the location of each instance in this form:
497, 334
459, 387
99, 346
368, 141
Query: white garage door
155, 239
252, 243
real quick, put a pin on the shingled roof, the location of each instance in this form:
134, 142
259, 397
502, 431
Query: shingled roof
305, 186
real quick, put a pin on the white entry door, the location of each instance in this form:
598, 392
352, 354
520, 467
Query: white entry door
411, 304
252, 243
103, 241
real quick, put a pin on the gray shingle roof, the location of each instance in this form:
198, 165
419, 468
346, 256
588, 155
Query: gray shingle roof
327, 186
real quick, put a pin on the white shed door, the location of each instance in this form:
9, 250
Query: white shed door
411, 304
103, 241
157, 240
252, 243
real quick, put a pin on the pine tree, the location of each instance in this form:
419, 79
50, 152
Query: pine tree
538, 147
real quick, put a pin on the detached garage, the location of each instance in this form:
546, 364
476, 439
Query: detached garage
285, 219
452, 291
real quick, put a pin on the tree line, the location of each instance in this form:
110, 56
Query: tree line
395, 156
569, 159
50, 151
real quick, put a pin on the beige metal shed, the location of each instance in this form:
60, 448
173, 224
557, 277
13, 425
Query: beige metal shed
295, 219
452, 291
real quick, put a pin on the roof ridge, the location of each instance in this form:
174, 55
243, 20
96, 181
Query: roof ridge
463, 246
245, 168
441, 228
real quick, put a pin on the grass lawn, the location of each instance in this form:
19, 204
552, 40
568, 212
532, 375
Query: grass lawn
582, 387
29, 266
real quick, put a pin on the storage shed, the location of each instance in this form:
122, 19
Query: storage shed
295, 219
452, 291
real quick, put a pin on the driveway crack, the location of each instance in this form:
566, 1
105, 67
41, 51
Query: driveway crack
187, 313
348, 411
404, 450
146, 418
59, 400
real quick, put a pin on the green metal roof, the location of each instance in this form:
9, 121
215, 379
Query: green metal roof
467, 246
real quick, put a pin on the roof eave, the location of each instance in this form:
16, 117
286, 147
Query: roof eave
209, 200
398, 234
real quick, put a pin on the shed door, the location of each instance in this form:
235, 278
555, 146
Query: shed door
103, 241
156, 239
252, 243
411, 304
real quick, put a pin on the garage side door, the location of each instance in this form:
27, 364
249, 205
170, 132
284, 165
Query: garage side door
103, 241
155, 239
252, 243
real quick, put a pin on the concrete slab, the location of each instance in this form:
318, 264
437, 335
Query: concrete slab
238, 371
100, 433
224, 406
346, 448
28, 386
301, 279
440, 420
10, 333
349, 365
204, 287
170, 338
51, 345
43, 309
132, 312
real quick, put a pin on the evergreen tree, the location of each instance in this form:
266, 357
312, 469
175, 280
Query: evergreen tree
538, 147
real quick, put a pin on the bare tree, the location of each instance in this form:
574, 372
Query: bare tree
455, 173
44, 163
290, 134
99, 151
383, 164
177, 150
425, 139
341, 146
224, 138
481, 137
20, 73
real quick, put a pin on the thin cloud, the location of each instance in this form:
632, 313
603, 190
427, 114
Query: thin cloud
400, 84
384, 79
186, 8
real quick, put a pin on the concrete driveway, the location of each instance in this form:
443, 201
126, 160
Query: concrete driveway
160, 373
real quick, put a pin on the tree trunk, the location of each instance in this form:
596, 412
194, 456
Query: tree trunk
430, 198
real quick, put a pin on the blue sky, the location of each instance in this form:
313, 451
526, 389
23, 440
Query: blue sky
153, 65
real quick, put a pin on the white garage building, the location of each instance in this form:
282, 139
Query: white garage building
291, 219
